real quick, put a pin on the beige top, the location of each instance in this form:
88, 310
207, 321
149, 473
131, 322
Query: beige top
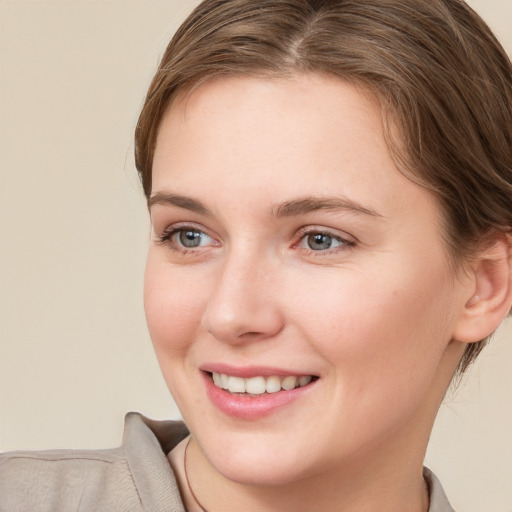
134, 477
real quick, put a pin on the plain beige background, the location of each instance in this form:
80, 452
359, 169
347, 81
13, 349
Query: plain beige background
74, 351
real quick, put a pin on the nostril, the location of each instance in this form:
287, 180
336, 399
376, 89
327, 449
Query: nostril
250, 334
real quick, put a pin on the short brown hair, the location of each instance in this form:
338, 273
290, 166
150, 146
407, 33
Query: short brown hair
442, 78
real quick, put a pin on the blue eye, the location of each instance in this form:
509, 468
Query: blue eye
316, 241
182, 239
190, 238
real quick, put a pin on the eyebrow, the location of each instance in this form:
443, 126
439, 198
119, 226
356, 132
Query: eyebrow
290, 208
308, 204
181, 201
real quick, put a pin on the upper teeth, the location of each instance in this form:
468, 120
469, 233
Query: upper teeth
259, 385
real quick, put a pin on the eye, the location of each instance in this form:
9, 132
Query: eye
183, 239
191, 238
319, 241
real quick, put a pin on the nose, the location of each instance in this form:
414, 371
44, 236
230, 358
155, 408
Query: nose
243, 305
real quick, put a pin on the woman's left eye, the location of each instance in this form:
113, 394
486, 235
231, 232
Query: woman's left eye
318, 241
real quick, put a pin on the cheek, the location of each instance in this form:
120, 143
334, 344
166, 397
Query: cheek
382, 330
173, 306
384, 341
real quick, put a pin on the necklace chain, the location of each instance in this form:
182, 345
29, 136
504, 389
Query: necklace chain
188, 481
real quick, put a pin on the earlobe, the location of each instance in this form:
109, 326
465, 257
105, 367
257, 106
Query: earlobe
491, 297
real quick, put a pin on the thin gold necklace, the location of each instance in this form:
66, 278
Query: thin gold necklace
188, 481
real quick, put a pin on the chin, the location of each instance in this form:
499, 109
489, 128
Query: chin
259, 473
255, 459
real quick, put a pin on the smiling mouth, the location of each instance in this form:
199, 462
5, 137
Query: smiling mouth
257, 386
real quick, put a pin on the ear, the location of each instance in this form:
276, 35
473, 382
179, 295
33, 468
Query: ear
491, 293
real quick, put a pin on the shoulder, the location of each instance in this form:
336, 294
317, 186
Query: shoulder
65, 480
133, 477
62, 480
438, 499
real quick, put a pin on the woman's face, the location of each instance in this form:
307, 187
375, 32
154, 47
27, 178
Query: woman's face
288, 252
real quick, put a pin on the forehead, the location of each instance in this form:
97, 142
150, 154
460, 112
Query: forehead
308, 131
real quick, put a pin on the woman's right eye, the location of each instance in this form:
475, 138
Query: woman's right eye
191, 238
183, 239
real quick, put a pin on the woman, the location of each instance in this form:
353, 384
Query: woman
329, 186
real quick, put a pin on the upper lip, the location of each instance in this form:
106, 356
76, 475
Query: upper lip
247, 372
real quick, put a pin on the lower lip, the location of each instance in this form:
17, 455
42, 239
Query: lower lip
252, 407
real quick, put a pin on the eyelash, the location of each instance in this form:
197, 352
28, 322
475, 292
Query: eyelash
345, 243
166, 239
